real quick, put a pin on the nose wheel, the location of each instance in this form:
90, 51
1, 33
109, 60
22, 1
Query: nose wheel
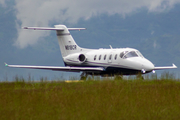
139, 76
143, 71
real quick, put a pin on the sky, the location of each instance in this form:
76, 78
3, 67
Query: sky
42, 13
46, 13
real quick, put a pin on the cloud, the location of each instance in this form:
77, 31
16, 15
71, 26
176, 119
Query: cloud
43, 12
152, 32
155, 44
2, 2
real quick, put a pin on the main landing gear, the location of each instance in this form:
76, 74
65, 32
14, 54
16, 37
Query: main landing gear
83, 76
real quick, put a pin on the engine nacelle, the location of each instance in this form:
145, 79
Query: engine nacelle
76, 58
82, 58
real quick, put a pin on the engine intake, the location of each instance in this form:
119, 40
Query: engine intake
82, 58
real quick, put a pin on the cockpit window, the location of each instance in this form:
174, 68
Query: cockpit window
139, 54
123, 53
131, 54
128, 54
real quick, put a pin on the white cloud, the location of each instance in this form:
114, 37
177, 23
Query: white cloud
42, 12
154, 44
2, 2
152, 32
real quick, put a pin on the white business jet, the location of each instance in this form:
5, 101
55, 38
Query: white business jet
123, 61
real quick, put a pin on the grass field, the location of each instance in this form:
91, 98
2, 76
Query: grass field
91, 99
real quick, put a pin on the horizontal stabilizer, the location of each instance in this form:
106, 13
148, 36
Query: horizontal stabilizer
57, 68
49, 28
166, 67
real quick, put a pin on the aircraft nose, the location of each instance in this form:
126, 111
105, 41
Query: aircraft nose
147, 65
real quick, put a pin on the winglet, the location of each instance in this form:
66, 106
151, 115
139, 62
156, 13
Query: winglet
174, 66
6, 64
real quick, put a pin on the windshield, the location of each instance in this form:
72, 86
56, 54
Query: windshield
131, 54
123, 53
128, 54
139, 54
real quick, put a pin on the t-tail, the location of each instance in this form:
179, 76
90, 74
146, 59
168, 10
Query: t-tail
66, 41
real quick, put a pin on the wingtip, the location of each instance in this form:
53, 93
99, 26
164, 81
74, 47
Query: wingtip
174, 65
6, 64
24, 27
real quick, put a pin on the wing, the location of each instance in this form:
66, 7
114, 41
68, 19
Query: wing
166, 67
57, 68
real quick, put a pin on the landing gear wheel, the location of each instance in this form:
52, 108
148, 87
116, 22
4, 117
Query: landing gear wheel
83, 76
139, 76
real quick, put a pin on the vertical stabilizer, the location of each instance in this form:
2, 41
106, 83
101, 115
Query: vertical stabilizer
66, 41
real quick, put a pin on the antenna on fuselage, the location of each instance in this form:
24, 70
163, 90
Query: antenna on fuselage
110, 46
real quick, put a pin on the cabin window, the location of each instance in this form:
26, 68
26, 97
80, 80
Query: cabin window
110, 57
95, 57
104, 57
115, 57
100, 57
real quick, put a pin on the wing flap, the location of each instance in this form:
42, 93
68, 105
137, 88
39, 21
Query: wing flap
57, 68
165, 67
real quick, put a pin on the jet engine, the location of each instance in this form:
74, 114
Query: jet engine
77, 58
82, 58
